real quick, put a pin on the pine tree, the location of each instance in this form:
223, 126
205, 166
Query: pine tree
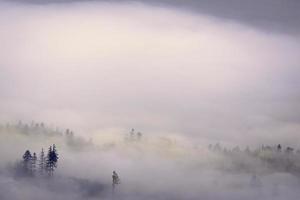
52, 158
33, 163
42, 162
49, 162
27, 162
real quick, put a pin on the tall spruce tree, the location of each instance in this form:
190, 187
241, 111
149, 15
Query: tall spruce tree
52, 158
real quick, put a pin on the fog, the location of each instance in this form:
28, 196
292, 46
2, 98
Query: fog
98, 66
185, 79
152, 167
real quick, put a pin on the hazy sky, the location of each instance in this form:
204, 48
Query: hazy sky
270, 15
206, 69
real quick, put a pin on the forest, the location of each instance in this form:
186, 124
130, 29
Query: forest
270, 170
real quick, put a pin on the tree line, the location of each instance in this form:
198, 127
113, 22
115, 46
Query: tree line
277, 158
44, 164
33, 128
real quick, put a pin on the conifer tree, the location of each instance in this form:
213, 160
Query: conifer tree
49, 167
27, 162
33, 163
51, 161
42, 162
54, 156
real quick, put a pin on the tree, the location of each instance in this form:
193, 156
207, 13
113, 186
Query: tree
132, 134
49, 166
217, 148
33, 163
54, 154
52, 158
115, 178
289, 150
139, 136
27, 162
115, 181
42, 162
279, 148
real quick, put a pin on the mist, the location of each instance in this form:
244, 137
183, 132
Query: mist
150, 167
185, 78
109, 66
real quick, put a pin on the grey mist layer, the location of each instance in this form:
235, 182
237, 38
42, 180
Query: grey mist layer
185, 74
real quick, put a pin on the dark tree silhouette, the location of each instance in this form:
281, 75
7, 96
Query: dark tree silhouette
115, 178
33, 163
27, 162
52, 158
279, 148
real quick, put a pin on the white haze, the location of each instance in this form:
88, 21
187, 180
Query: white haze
182, 79
101, 66
153, 168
